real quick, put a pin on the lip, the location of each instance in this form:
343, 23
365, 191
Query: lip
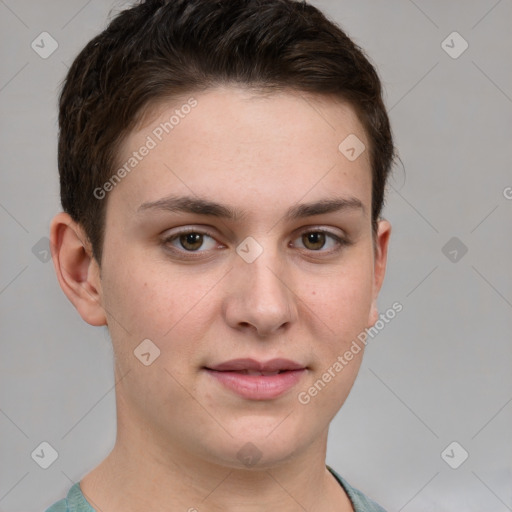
233, 376
273, 365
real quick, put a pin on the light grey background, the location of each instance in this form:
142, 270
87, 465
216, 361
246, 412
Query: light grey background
439, 372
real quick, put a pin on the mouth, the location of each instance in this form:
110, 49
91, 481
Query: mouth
256, 380
252, 372
247, 365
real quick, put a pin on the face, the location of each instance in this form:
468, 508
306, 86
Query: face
243, 234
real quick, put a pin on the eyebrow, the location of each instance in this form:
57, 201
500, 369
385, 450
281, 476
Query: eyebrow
200, 206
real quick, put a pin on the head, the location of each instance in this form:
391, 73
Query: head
160, 50
211, 208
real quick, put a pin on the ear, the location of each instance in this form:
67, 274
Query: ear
77, 271
379, 269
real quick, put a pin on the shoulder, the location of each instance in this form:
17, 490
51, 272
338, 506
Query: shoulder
74, 502
360, 501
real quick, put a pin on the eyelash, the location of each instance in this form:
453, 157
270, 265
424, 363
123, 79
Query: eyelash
341, 242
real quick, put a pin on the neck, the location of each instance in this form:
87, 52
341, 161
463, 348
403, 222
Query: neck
140, 475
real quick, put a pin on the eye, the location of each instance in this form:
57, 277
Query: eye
319, 239
191, 241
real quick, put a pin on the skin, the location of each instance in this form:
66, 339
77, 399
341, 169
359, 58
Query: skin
179, 430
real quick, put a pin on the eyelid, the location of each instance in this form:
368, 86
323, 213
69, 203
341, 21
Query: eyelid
318, 229
188, 229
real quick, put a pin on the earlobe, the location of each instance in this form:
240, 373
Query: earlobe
380, 261
77, 271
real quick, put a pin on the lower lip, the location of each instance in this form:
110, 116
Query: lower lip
258, 387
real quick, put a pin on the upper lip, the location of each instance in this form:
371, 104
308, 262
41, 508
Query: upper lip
273, 365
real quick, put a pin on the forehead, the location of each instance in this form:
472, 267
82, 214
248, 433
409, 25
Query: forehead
238, 144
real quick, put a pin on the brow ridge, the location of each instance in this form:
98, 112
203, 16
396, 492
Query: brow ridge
202, 206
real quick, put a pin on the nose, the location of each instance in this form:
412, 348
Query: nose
261, 296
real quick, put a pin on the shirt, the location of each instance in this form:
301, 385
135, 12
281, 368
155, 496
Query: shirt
76, 502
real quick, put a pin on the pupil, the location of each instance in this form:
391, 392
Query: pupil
192, 241
317, 240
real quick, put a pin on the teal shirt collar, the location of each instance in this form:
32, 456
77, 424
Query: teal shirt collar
76, 502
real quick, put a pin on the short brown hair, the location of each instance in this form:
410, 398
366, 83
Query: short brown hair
162, 49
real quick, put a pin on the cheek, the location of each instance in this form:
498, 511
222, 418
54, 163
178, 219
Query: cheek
343, 300
342, 306
149, 301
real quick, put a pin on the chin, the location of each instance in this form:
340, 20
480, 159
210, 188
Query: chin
257, 448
